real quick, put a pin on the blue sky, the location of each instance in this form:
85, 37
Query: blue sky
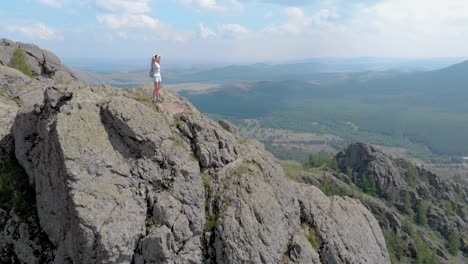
239, 30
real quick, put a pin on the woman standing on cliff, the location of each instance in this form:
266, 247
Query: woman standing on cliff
155, 73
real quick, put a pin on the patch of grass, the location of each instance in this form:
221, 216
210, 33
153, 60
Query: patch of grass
448, 208
408, 227
425, 255
327, 187
320, 161
313, 237
395, 245
18, 61
421, 213
354, 192
17, 100
144, 100
15, 192
177, 140
294, 170
226, 201
453, 243
150, 223
211, 222
243, 168
367, 184
243, 141
102, 102
206, 181
411, 176
166, 120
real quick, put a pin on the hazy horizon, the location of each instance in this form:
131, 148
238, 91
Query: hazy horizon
236, 31
380, 63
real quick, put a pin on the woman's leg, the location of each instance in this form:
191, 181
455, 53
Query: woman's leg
158, 86
159, 90
155, 91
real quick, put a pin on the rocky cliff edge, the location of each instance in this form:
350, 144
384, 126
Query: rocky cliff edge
119, 180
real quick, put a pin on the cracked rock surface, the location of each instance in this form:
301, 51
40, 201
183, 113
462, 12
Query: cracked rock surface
44, 64
120, 180
117, 181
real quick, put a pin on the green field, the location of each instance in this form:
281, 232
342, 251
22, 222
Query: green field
424, 113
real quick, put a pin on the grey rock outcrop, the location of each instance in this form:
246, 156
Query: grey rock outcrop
22, 241
229, 126
364, 158
338, 222
133, 184
301, 250
408, 187
398, 178
11, 76
45, 65
8, 108
119, 180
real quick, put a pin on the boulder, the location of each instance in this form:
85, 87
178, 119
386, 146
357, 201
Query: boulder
44, 64
348, 231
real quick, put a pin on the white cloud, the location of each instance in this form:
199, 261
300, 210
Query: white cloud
322, 18
280, 2
116, 21
124, 6
214, 5
134, 14
52, 3
296, 22
417, 16
294, 12
146, 24
410, 28
122, 34
222, 31
233, 29
205, 32
35, 31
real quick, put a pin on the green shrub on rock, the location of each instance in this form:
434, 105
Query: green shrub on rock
425, 255
421, 213
395, 245
319, 161
18, 61
453, 243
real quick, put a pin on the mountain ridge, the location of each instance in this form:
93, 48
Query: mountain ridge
98, 174
115, 178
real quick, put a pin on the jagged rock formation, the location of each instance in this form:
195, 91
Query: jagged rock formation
119, 180
45, 65
399, 190
339, 220
393, 181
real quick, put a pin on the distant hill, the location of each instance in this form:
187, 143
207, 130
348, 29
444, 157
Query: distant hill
396, 109
123, 74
